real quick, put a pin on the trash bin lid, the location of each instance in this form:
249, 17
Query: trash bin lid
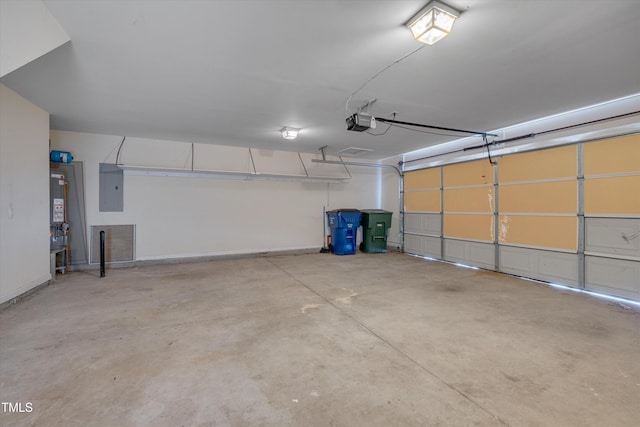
375, 211
344, 211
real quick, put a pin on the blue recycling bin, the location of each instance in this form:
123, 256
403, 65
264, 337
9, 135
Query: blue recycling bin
344, 224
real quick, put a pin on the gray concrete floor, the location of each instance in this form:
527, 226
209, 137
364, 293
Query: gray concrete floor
317, 340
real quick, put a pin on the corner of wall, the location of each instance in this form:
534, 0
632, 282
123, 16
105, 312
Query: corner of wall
24, 195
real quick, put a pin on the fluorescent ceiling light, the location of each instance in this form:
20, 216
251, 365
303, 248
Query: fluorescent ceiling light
289, 133
433, 22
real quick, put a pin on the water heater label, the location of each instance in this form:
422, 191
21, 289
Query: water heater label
58, 210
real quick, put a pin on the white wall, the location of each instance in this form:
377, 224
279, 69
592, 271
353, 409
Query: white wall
27, 31
179, 217
24, 195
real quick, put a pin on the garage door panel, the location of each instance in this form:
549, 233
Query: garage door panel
417, 223
553, 266
476, 254
542, 197
471, 173
613, 276
422, 179
516, 261
412, 223
466, 226
553, 232
475, 199
613, 236
422, 201
619, 195
537, 165
412, 244
549, 266
423, 245
615, 155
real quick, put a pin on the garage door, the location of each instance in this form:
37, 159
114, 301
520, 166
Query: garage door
612, 216
568, 215
538, 215
469, 213
423, 212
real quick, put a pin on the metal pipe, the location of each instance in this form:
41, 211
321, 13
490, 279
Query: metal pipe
398, 122
120, 148
102, 240
303, 165
529, 135
345, 167
322, 150
253, 164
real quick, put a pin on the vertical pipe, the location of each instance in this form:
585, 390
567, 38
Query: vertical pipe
66, 221
324, 227
102, 239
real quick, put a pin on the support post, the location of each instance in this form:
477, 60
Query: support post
102, 240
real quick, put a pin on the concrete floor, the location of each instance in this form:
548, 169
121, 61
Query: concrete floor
317, 340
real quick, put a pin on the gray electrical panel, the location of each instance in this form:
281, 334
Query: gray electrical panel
111, 188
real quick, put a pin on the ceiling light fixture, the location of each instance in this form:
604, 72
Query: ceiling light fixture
433, 22
289, 133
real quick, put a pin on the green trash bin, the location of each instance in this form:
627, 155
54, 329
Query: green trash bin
375, 223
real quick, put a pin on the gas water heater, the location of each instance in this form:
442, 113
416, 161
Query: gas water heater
58, 227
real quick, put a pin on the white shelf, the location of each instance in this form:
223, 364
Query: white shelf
217, 174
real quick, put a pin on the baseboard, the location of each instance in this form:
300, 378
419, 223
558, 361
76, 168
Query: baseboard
197, 258
23, 296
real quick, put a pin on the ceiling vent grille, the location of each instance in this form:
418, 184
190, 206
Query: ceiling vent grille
353, 151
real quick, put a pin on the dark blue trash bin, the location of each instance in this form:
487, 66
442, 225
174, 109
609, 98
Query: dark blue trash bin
344, 224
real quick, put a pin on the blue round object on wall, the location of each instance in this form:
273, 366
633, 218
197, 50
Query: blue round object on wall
61, 156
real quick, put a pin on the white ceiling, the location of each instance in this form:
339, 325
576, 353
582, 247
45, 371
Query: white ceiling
235, 72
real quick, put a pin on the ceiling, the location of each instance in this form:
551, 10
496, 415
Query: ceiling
235, 72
